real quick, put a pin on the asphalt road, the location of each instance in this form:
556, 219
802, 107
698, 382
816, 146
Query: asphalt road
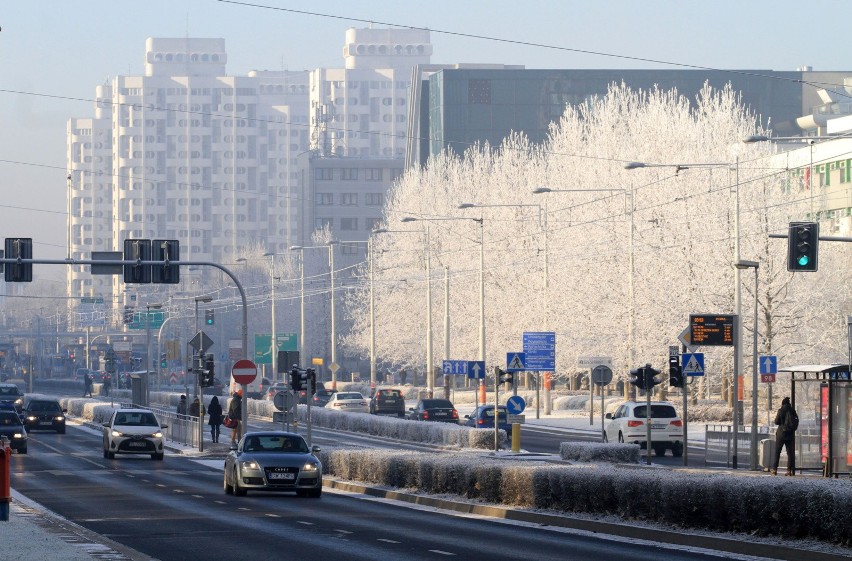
176, 509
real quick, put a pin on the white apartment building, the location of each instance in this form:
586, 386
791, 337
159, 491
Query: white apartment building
185, 152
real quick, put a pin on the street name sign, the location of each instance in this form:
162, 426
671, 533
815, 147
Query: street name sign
540, 350
454, 367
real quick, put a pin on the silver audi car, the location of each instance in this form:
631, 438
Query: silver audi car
273, 461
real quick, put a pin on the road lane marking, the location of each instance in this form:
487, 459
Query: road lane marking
304, 522
272, 515
198, 496
439, 552
387, 540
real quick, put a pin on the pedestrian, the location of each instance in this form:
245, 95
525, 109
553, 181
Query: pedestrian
87, 385
181, 407
107, 383
785, 435
195, 408
235, 412
214, 410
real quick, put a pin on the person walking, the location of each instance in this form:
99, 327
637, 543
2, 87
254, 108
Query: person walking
181, 407
235, 412
88, 385
195, 408
214, 410
785, 435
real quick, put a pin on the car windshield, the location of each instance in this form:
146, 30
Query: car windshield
45, 407
388, 394
657, 412
489, 413
436, 403
136, 419
275, 443
349, 395
9, 391
7, 418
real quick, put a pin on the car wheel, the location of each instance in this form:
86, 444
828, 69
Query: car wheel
620, 438
61, 430
315, 493
659, 450
605, 438
225, 486
677, 449
111, 455
238, 491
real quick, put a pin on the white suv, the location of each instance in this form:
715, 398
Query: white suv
627, 424
133, 431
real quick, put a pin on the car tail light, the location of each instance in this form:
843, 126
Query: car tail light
455, 414
677, 423
336, 405
425, 415
364, 403
480, 421
635, 423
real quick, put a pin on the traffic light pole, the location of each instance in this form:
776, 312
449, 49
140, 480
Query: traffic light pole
496, 410
648, 391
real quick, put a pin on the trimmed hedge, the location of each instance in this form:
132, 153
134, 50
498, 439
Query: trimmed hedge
767, 506
599, 452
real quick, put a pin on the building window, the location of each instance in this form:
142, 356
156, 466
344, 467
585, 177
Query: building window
325, 199
349, 199
373, 174
348, 224
322, 223
371, 224
479, 92
324, 174
348, 248
349, 174
374, 199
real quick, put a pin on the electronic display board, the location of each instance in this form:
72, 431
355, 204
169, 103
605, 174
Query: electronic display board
712, 329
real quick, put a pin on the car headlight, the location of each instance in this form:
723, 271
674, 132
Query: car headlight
117, 434
249, 466
59, 418
157, 434
309, 467
32, 418
18, 435
19, 401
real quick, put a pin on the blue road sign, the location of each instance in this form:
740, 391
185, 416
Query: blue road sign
693, 364
515, 405
515, 362
768, 364
454, 367
476, 369
540, 348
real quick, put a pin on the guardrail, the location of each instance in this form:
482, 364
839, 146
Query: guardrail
718, 445
181, 428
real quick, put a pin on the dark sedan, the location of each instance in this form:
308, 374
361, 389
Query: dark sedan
441, 410
44, 414
483, 418
12, 427
273, 461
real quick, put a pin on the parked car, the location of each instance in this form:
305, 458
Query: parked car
441, 410
483, 418
628, 424
352, 402
10, 393
387, 401
273, 461
133, 431
12, 427
321, 397
41, 413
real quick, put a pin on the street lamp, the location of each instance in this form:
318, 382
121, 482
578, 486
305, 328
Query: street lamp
480, 221
743, 264
274, 343
148, 308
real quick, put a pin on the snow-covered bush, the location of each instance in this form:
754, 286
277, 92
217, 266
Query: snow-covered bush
599, 452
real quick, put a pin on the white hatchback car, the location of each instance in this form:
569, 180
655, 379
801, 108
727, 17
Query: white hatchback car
628, 424
133, 431
351, 402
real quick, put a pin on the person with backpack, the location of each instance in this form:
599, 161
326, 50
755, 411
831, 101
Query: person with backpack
785, 435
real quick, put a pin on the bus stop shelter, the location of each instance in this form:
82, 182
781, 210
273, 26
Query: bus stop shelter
822, 396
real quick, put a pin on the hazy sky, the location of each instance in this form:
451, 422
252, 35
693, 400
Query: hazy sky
67, 47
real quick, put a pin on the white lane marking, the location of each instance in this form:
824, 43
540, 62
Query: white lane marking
342, 531
178, 490
198, 496
243, 508
160, 485
304, 522
220, 502
387, 540
439, 552
272, 515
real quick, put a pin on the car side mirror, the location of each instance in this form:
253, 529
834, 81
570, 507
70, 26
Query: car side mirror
65, 411
467, 416
164, 426
608, 416
315, 450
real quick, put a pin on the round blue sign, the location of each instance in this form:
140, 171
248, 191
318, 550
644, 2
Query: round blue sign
515, 405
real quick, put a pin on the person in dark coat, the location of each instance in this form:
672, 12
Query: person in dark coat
235, 412
195, 408
214, 410
785, 435
88, 385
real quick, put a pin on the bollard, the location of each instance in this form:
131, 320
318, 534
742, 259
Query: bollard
516, 437
5, 478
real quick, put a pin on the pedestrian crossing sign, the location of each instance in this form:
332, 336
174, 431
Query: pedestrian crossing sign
515, 362
693, 364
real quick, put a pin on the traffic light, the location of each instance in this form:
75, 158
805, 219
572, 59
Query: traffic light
163, 362
312, 376
296, 380
19, 248
675, 372
165, 250
137, 250
651, 377
209, 318
637, 378
207, 375
505, 377
802, 246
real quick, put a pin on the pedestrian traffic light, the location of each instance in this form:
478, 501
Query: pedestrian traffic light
168, 251
675, 372
209, 318
208, 374
803, 246
137, 250
18, 248
296, 380
505, 377
637, 378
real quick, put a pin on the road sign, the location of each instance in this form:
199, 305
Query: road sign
316, 361
540, 348
454, 367
244, 371
334, 367
591, 362
201, 341
515, 405
155, 319
515, 362
601, 375
768, 364
235, 349
263, 346
516, 419
712, 330
476, 369
767, 378
685, 338
284, 401
693, 364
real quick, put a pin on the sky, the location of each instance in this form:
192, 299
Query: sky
53, 53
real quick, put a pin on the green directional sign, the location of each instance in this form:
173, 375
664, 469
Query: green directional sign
263, 346
155, 320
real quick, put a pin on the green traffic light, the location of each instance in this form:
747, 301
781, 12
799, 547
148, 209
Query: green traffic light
803, 261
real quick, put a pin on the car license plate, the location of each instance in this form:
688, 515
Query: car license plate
138, 445
440, 413
45, 422
282, 476
658, 426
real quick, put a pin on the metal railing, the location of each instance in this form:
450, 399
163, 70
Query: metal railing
718, 445
181, 428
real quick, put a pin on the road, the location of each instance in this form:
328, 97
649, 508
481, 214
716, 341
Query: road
176, 509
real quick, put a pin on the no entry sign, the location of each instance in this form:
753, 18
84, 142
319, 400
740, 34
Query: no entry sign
244, 371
